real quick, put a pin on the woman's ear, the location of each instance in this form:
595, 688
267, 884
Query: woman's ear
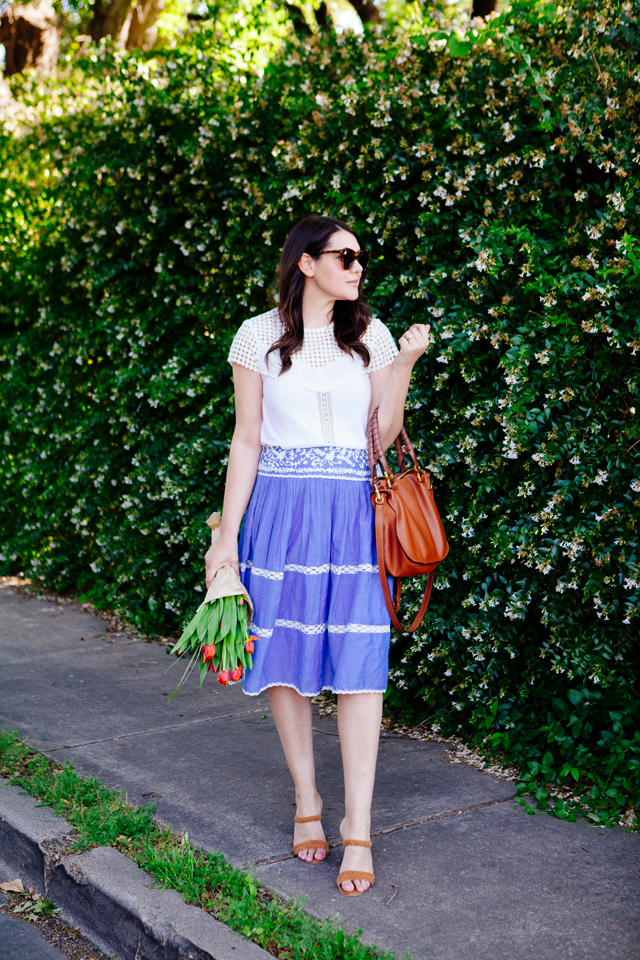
307, 265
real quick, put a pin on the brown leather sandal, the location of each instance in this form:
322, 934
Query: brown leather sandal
354, 874
311, 844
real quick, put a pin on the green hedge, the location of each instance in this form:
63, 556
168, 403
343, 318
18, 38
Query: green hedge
142, 217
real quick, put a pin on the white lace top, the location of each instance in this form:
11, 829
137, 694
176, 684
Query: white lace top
323, 399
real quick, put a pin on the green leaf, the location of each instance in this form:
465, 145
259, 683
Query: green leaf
184, 675
559, 706
226, 617
457, 47
233, 614
213, 626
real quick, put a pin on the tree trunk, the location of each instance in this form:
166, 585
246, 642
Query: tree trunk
482, 8
298, 21
143, 28
31, 37
367, 11
109, 19
322, 15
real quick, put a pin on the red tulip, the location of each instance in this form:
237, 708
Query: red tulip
211, 667
249, 646
241, 602
255, 639
223, 678
208, 652
236, 674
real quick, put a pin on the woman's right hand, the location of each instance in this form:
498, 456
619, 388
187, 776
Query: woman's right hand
222, 553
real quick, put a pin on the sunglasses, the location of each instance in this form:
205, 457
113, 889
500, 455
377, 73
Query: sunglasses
348, 257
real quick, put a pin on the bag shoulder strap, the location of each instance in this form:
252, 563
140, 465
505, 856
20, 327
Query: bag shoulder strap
379, 517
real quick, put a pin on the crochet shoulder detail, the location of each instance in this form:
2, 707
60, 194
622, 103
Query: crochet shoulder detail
253, 338
381, 345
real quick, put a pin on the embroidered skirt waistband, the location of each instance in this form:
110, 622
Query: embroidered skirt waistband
314, 463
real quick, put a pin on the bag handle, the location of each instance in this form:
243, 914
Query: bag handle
402, 443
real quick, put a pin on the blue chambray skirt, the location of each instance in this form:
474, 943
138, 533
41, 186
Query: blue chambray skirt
308, 560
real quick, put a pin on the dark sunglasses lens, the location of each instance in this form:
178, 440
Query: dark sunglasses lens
350, 256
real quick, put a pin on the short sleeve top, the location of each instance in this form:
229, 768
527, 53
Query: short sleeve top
324, 398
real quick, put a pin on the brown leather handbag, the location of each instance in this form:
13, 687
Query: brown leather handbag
410, 538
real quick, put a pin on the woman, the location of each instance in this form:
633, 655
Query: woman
307, 377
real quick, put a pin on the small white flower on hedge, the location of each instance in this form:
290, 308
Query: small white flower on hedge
526, 489
484, 261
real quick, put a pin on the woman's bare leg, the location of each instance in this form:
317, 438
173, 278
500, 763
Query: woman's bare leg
359, 716
292, 714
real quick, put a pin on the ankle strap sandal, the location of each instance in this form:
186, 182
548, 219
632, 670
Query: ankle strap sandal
311, 844
354, 874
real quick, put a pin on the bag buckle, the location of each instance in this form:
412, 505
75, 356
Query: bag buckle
376, 484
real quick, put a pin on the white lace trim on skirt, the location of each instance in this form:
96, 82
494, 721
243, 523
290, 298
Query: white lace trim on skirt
309, 571
312, 628
303, 693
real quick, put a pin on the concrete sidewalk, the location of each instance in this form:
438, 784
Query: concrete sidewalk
462, 873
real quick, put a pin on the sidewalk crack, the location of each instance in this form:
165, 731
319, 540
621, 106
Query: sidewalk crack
145, 733
334, 842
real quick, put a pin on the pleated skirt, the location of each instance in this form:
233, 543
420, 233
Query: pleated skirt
308, 560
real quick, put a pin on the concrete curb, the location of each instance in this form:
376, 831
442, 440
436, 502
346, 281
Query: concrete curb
106, 895
29, 835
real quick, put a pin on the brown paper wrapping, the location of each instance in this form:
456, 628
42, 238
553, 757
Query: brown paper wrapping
226, 582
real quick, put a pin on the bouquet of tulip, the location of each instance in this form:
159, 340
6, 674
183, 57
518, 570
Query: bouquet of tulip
217, 639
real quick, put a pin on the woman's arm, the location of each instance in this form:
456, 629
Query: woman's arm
241, 471
390, 385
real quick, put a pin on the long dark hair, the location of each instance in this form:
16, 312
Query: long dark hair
350, 317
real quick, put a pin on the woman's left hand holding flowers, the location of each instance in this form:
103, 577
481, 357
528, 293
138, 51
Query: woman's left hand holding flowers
414, 342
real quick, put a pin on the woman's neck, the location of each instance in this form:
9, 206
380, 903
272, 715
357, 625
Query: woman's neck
317, 307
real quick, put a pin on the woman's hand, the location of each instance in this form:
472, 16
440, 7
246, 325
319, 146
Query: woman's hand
222, 553
413, 343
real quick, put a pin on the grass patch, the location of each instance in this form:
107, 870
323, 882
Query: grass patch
102, 817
